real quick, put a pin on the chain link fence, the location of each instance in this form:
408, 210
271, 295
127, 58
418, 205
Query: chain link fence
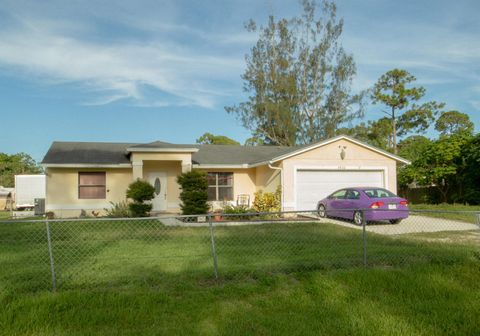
37, 255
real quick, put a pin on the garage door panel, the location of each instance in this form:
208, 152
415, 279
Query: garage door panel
314, 185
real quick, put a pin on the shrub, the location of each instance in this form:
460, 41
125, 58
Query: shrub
235, 210
118, 210
194, 193
139, 209
268, 201
140, 191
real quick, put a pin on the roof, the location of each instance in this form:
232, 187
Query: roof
236, 155
160, 146
87, 153
112, 153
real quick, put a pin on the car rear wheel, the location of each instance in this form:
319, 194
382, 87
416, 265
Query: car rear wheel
322, 212
358, 217
395, 221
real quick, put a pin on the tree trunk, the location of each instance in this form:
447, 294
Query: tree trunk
394, 126
444, 192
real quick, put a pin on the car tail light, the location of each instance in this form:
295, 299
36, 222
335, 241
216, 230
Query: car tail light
376, 205
404, 203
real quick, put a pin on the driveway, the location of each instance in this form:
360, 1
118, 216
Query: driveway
412, 224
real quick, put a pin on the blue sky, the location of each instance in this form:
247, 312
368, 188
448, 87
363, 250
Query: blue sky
145, 70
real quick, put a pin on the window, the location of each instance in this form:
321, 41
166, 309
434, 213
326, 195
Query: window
91, 185
379, 193
338, 194
220, 186
353, 194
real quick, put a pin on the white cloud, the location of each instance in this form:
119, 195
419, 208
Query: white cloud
117, 70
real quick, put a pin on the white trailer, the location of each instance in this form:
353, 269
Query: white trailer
27, 188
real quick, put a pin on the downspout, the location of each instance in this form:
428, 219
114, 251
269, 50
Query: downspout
281, 181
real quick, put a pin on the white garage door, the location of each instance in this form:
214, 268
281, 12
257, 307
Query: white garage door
314, 185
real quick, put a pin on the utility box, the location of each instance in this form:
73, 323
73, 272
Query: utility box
39, 207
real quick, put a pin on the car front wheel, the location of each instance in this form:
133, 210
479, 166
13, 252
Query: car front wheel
395, 221
322, 212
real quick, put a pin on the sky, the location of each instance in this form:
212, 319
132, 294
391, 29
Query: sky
140, 71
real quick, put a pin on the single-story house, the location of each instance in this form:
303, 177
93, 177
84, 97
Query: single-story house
88, 176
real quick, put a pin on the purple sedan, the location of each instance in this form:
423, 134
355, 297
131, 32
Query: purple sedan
377, 203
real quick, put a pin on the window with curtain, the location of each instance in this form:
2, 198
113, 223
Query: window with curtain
220, 186
92, 185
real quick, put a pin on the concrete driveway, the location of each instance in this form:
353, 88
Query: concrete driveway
413, 224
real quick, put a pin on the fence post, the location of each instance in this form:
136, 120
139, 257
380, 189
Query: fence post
52, 260
364, 234
214, 250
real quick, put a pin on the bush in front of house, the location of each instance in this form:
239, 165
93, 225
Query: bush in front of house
229, 209
194, 194
268, 201
140, 191
118, 210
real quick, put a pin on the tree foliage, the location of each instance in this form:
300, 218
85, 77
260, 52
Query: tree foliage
376, 133
454, 122
414, 147
210, 139
438, 165
140, 191
194, 194
254, 141
469, 174
15, 164
298, 78
407, 115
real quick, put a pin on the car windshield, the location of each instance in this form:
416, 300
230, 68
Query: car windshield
378, 193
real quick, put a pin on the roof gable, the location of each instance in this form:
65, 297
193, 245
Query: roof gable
334, 139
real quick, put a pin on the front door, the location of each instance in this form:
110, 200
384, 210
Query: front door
159, 181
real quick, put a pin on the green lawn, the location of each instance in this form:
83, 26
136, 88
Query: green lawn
4, 215
145, 278
448, 211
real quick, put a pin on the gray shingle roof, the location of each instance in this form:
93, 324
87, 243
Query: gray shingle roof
229, 154
87, 153
116, 153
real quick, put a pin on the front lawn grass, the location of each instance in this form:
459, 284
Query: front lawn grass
4, 214
142, 277
448, 211
417, 300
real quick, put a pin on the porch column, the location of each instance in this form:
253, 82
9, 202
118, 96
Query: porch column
137, 170
186, 166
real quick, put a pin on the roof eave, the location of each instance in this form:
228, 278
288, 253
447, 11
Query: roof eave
221, 166
86, 165
161, 150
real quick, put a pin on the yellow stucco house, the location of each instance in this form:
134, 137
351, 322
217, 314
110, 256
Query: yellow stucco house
87, 176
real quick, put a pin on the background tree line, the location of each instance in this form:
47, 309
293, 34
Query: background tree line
15, 164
